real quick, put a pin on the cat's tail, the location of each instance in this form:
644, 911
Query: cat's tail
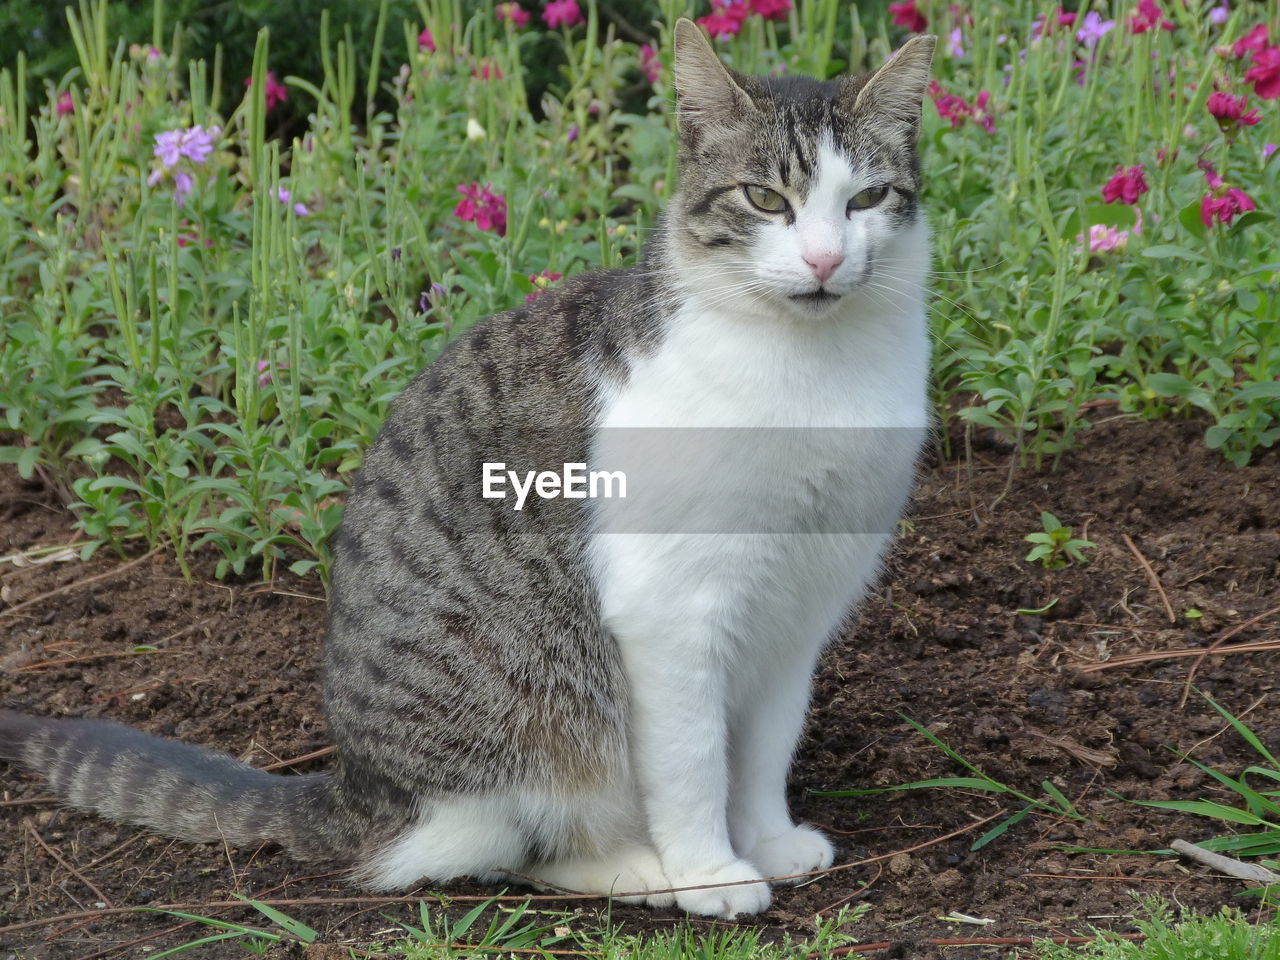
176, 789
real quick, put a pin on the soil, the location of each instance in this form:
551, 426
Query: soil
234, 664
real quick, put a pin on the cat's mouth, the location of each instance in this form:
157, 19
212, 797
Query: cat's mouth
818, 298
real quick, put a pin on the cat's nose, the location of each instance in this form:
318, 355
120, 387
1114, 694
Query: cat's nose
824, 265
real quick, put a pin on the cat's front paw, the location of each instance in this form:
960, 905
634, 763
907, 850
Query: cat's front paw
726, 902
799, 850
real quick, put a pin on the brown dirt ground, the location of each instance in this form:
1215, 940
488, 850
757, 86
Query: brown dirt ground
941, 641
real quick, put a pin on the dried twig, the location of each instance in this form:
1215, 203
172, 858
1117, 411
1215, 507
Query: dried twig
1151, 575
28, 801
510, 898
1259, 646
294, 761
80, 583
35, 834
1217, 644
30, 667
1249, 872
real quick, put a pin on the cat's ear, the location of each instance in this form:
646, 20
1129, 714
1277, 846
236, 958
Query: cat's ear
897, 90
706, 92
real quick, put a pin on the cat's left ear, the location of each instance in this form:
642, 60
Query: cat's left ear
707, 92
898, 88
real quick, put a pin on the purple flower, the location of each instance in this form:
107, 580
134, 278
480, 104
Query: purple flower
1267, 151
1093, 28
168, 147
194, 143
573, 134
1220, 14
182, 184
955, 42
284, 196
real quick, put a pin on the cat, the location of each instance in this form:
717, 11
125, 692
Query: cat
592, 705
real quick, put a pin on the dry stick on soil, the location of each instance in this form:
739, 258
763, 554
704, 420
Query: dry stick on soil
80, 583
35, 834
1249, 872
1259, 646
30, 801
1217, 644
527, 898
1151, 575
29, 668
293, 761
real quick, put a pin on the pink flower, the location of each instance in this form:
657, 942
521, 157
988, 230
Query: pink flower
1224, 208
1126, 186
1043, 25
725, 19
481, 206
540, 283
650, 63
426, 41
66, 103
1149, 16
264, 371
1229, 111
562, 13
484, 70
957, 109
1104, 239
1265, 74
512, 13
1255, 40
276, 93
906, 15
771, 9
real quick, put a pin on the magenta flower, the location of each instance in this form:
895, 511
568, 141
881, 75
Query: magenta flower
956, 109
66, 103
540, 283
265, 371
771, 9
1265, 74
485, 70
1224, 208
1230, 112
1252, 42
1126, 186
1059, 18
277, 92
1093, 28
725, 19
562, 13
513, 13
650, 63
1149, 16
426, 41
906, 15
481, 206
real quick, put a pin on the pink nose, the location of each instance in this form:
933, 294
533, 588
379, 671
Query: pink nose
824, 265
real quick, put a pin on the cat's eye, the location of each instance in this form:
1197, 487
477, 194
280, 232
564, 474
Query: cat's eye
865, 199
762, 198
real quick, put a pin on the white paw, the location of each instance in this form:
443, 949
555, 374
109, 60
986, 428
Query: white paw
633, 870
799, 850
726, 902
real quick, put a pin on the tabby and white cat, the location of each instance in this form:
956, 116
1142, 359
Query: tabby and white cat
610, 711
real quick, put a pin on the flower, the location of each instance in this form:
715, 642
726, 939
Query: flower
725, 19
182, 184
1220, 14
276, 91
1126, 186
1093, 28
1149, 16
540, 283
1229, 111
426, 41
512, 13
955, 42
562, 13
907, 16
650, 64
191, 234
66, 103
572, 135
1267, 151
1104, 239
283, 195
1265, 74
481, 206
957, 109
1043, 25
771, 9
1253, 41
484, 70
979, 112
1224, 208
194, 143
264, 371
474, 130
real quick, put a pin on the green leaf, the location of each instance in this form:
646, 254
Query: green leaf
1164, 251
286, 922
1001, 827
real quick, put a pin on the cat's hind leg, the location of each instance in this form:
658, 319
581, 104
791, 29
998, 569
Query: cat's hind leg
453, 837
634, 869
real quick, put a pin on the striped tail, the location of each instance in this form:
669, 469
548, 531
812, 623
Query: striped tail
176, 789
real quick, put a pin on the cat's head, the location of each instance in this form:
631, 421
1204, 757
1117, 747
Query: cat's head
797, 196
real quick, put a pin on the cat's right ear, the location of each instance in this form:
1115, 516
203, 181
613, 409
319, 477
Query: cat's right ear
706, 93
